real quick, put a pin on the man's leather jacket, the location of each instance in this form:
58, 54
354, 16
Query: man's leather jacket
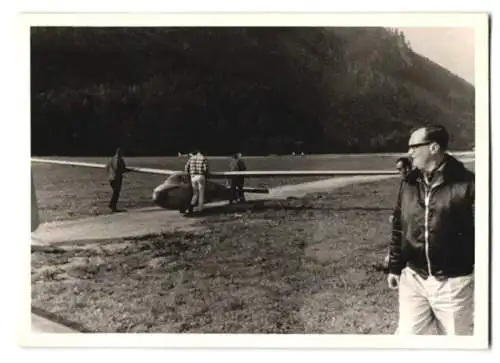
433, 225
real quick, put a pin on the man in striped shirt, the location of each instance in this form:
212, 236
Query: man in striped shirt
197, 168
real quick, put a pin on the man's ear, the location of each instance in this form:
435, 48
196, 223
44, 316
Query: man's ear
435, 148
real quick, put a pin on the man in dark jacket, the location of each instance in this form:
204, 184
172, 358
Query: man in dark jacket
115, 169
432, 247
236, 182
404, 167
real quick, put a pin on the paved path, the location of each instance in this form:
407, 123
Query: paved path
43, 325
133, 223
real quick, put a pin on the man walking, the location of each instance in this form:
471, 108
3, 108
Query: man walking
197, 168
432, 247
115, 169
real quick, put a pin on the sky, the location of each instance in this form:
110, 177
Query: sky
452, 48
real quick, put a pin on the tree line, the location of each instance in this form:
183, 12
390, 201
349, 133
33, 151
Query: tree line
157, 91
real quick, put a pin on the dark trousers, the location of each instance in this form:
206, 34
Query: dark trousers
236, 189
116, 185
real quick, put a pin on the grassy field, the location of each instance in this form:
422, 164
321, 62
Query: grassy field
303, 266
310, 265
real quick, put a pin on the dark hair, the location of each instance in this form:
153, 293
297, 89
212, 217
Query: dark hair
406, 161
435, 133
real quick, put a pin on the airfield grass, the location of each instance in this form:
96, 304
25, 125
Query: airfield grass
310, 265
66, 193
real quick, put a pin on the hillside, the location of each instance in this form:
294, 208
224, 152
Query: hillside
157, 91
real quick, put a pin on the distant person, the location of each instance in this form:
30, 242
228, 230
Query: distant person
403, 166
237, 182
115, 169
197, 168
432, 248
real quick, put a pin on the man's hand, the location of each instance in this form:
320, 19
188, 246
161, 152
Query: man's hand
393, 281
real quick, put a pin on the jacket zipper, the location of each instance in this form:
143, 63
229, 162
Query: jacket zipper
426, 235
427, 200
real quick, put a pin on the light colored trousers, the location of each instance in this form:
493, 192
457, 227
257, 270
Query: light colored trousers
198, 184
443, 306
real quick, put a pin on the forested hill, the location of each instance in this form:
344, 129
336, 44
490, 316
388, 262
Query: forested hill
157, 91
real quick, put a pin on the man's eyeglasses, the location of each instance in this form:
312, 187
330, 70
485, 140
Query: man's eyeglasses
414, 146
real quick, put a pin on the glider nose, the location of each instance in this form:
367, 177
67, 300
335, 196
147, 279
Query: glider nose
160, 196
157, 193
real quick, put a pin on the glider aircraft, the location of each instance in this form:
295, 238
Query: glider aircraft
175, 192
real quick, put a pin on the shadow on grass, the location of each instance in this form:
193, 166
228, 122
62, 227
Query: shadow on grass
276, 205
53, 246
369, 209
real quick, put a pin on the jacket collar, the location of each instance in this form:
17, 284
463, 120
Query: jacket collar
450, 170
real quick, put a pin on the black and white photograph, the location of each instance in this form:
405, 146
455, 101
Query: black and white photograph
299, 177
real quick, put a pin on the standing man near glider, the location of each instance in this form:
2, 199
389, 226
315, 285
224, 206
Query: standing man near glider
197, 168
236, 182
115, 169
